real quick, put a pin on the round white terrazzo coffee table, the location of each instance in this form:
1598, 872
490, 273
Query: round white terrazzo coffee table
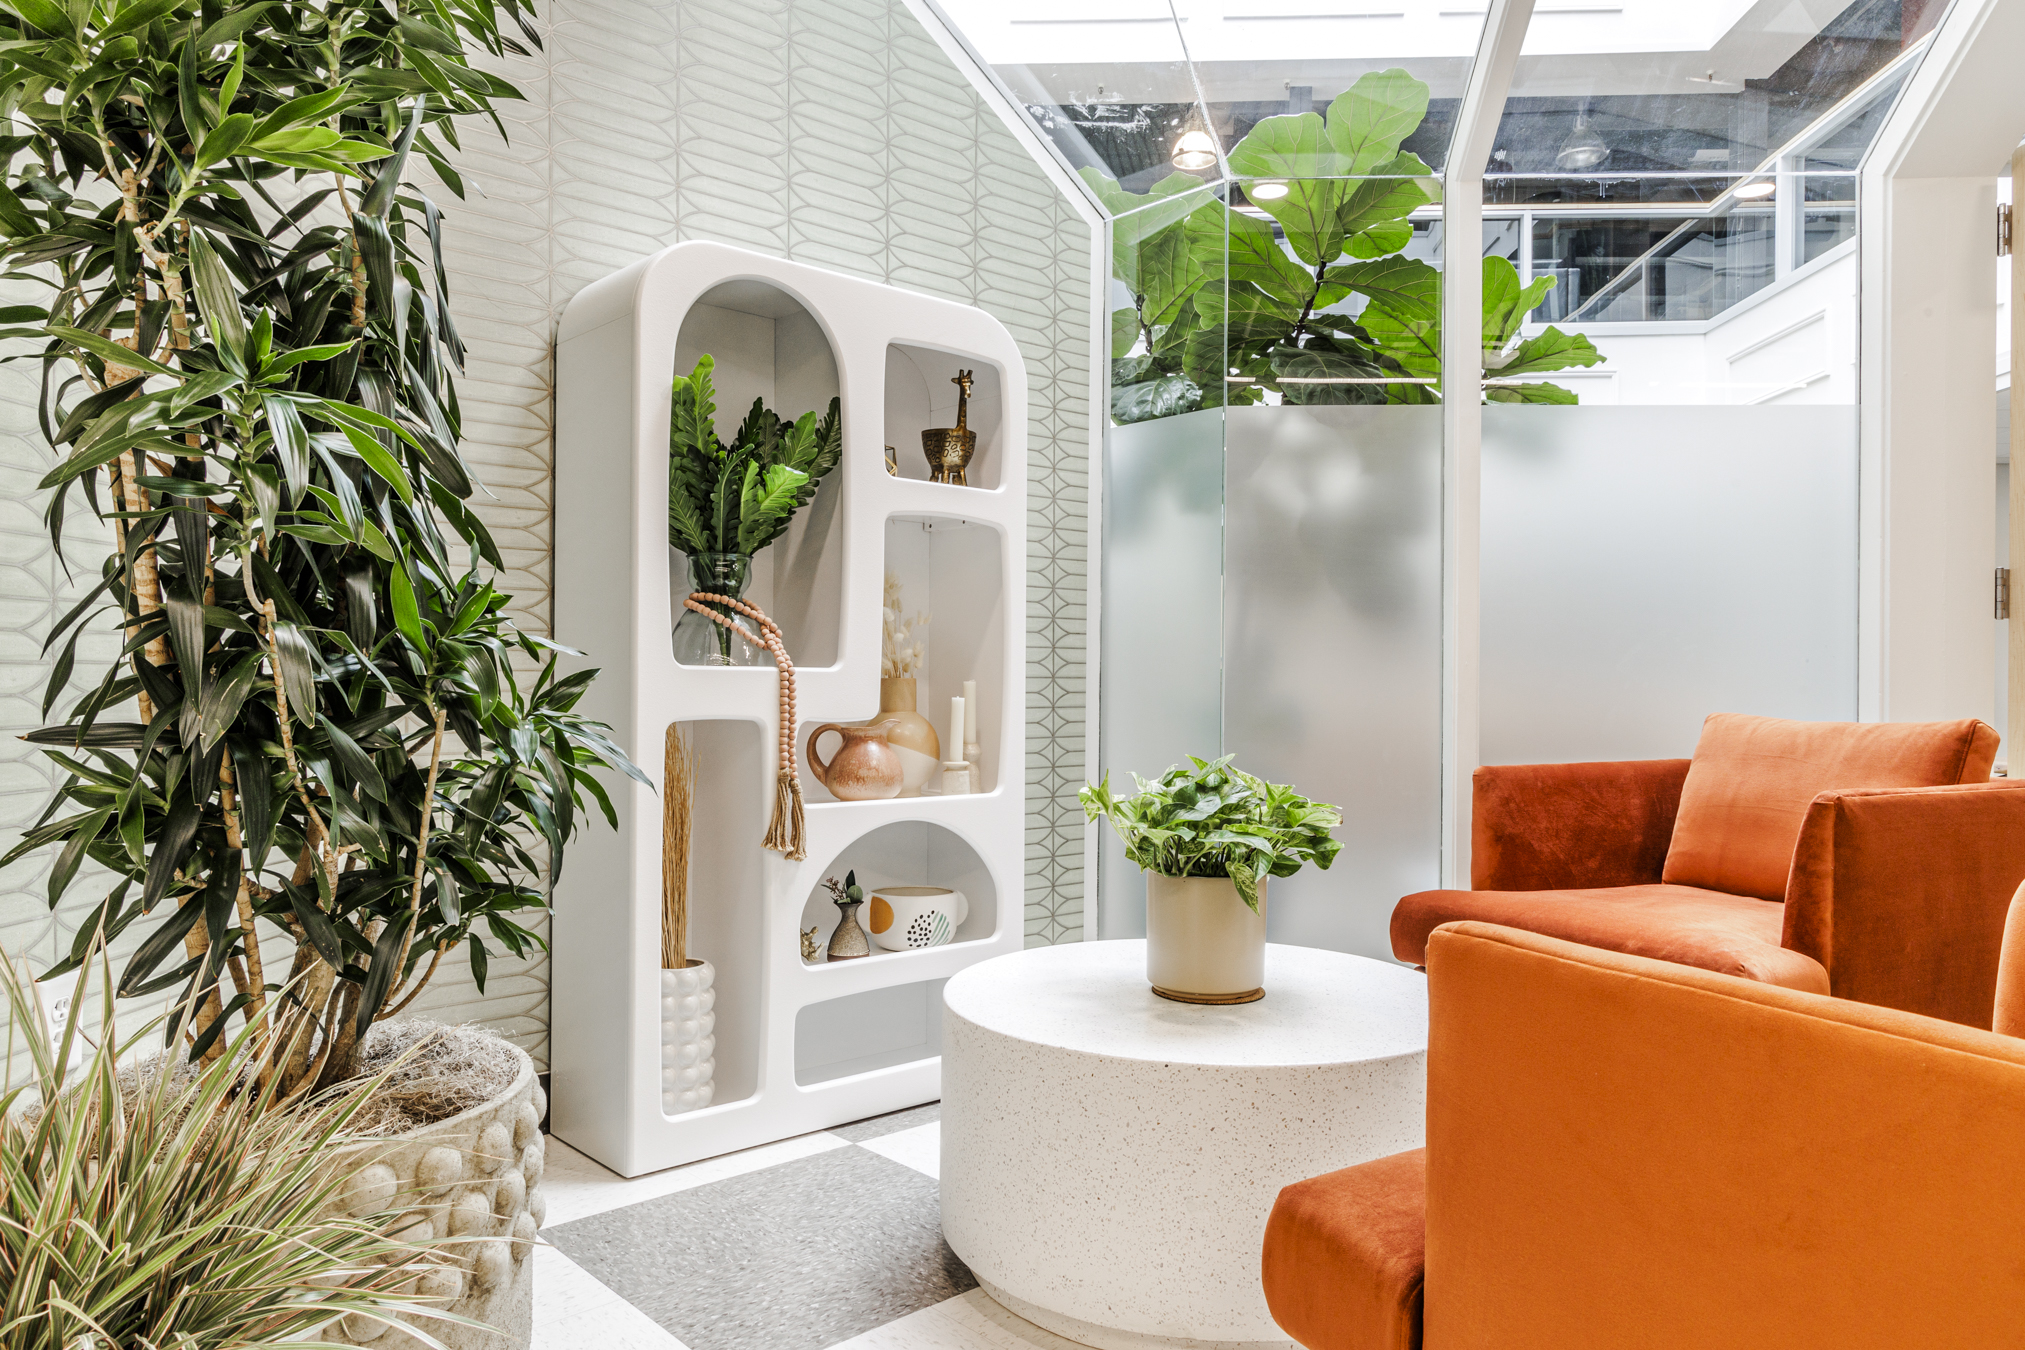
1109, 1158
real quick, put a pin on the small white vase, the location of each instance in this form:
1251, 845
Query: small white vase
906, 917
1203, 943
688, 1037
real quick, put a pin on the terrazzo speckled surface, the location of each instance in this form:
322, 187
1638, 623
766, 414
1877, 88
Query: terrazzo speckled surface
800, 1255
1109, 1158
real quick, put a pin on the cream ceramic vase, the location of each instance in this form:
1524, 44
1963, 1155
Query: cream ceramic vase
913, 737
1203, 943
905, 917
688, 1037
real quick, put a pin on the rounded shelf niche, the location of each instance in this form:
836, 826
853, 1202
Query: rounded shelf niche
766, 345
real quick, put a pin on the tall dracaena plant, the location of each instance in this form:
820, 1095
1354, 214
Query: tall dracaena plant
246, 347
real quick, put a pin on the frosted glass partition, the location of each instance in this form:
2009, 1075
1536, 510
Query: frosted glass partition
1161, 678
1332, 641
1646, 566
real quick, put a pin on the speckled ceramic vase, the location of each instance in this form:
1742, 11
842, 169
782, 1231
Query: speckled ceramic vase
1204, 944
476, 1177
688, 1037
848, 942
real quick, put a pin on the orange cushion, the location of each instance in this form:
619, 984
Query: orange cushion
1752, 779
1346, 1256
1729, 934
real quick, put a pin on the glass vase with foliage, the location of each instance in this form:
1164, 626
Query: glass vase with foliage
1310, 295
1208, 819
319, 764
726, 502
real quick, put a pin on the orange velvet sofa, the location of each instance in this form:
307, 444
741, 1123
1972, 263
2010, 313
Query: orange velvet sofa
1871, 861
1628, 1152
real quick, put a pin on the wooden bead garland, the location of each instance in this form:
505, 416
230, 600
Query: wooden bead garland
787, 834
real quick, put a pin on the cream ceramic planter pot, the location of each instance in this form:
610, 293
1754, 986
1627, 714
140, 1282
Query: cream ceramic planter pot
476, 1177
1203, 943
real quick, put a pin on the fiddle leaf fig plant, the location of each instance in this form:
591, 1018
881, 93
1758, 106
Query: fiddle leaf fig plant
1208, 819
316, 767
1315, 302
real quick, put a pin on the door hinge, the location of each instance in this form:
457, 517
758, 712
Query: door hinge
2003, 592
2003, 229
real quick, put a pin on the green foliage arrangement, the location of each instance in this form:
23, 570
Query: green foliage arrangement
738, 498
165, 1209
1226, 307
243, 325
1207, 819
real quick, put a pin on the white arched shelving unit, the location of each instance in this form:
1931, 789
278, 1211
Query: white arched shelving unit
799, 1047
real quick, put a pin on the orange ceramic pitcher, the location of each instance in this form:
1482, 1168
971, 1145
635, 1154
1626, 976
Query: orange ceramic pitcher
864, 769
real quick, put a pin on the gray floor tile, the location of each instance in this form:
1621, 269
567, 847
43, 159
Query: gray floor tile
795, 1257
891, 1123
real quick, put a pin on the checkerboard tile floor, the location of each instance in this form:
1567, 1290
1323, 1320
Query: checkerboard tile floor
828, 1241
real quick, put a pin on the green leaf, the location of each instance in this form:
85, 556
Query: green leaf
217, 298
1297, 149
407, 616
219, 705
1238, 248
107, 350
136, 16
291, 442
377, 459
1551, 349
354, 760
1407, 287
298, 671
1505, 304
1531, 391
1406, 185
1368, 120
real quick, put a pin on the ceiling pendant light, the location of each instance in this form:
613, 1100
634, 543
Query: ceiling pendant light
1763, 187
1267, 190
1194, 151
1583, 149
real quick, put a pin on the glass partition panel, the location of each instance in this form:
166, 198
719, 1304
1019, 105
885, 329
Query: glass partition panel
1646, 566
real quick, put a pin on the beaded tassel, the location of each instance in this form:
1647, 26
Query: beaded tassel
787, 834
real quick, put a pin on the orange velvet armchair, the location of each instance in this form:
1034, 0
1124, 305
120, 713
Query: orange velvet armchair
1871, 861
1628, 1152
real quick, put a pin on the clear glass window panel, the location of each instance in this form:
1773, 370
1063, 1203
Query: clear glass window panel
1658, 88
1265, 58
1821, 231
1106, 81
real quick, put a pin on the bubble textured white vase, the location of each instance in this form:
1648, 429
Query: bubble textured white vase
688, 1037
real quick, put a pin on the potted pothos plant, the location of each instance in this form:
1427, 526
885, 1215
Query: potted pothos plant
1318, 303
727, 501
325, 760
1209, 836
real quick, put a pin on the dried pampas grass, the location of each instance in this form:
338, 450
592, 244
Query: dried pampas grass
678, 790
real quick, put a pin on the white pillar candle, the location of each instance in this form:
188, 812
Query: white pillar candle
955, 741
969, 714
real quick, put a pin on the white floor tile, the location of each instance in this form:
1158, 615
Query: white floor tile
967, 1322
577, 1187
572, 1310
919, 1148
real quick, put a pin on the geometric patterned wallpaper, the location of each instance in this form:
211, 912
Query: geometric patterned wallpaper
832, 132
